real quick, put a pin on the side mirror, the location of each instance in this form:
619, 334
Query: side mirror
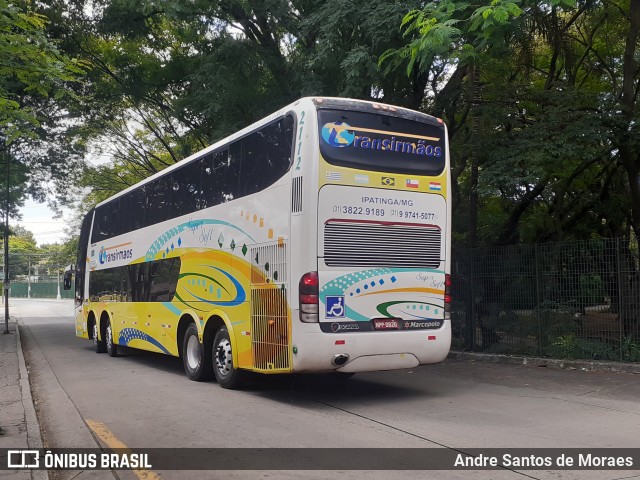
66, 284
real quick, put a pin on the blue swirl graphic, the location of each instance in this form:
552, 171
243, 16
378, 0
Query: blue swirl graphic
129, 334
157, 246
241, 295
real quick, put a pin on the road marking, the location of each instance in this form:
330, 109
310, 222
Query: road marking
110, 440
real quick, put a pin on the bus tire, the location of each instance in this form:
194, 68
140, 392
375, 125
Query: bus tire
110, 345
226, 374
98, 345
195, 358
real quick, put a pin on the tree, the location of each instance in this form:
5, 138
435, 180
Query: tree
171, 78
33, 76
22, 248
544, 134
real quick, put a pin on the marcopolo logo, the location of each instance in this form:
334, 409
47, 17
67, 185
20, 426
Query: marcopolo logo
340, 134
114, 256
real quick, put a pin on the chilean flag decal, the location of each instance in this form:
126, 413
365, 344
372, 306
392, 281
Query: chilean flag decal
412, 183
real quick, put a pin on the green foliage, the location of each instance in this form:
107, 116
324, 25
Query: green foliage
530, 91
573, 347
31, 66
532, 95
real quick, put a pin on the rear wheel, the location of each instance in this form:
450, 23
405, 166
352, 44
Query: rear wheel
226, 375
112, 348
98, 345
196, 357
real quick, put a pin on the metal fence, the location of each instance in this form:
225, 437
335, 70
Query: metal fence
34, 280
565, 300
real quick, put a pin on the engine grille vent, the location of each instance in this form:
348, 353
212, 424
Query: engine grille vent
269, 329
296, 195
357, 244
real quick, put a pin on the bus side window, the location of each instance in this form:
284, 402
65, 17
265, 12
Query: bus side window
185, 186
266, 155
207, 182
229, 173
136, 209
158, 207
213, 177
114, 220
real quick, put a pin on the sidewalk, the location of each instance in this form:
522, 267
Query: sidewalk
587, 365
18, 422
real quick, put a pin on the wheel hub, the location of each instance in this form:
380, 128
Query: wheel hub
193, 352
224, 359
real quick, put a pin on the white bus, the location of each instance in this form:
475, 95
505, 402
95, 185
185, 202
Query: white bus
315, 240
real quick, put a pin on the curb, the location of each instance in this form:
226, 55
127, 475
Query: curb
585, 365
34, 436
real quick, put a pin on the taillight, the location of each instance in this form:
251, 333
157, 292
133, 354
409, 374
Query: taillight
447, 295
308, 289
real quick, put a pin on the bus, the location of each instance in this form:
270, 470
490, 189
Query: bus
315, 240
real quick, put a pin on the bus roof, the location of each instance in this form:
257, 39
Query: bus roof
318, 102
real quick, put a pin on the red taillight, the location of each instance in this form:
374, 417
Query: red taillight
447, 295
309, 283
308, 288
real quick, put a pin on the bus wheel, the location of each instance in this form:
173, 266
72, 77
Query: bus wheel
197, 362
226, 375
98, 345
112, 348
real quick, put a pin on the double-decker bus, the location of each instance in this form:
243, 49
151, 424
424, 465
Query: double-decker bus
315, 240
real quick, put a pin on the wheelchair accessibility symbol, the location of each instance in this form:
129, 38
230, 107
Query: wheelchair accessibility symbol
335, 307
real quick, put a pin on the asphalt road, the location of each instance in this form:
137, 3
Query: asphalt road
144, 400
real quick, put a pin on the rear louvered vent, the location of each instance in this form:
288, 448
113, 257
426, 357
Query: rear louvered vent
354, 244
296, 195
269, 329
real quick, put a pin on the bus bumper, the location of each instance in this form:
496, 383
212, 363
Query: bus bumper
315, 350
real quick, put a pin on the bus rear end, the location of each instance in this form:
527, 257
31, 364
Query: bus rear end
378, 297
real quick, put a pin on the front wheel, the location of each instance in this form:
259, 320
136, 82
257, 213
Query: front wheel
226, 374
195, 358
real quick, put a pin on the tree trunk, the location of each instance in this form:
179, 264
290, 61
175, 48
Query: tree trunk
628, 148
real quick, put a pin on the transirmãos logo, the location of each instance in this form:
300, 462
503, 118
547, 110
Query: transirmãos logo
102, 256
106, 257
340, 134
337, 134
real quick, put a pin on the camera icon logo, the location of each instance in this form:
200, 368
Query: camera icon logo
23, 459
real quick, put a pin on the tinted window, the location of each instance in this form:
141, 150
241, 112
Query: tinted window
133, 209
247, 166
81, 260
163, 278
381, 142
108, 222
266, 156
143, 282
158, 208
228, 171
185, 189
210, 190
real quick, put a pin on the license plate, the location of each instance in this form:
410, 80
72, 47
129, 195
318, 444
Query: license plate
385, 324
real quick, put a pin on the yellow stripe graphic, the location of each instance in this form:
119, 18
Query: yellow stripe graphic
118, 246
383, 132
110, 440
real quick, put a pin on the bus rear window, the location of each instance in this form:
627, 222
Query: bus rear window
381, 142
